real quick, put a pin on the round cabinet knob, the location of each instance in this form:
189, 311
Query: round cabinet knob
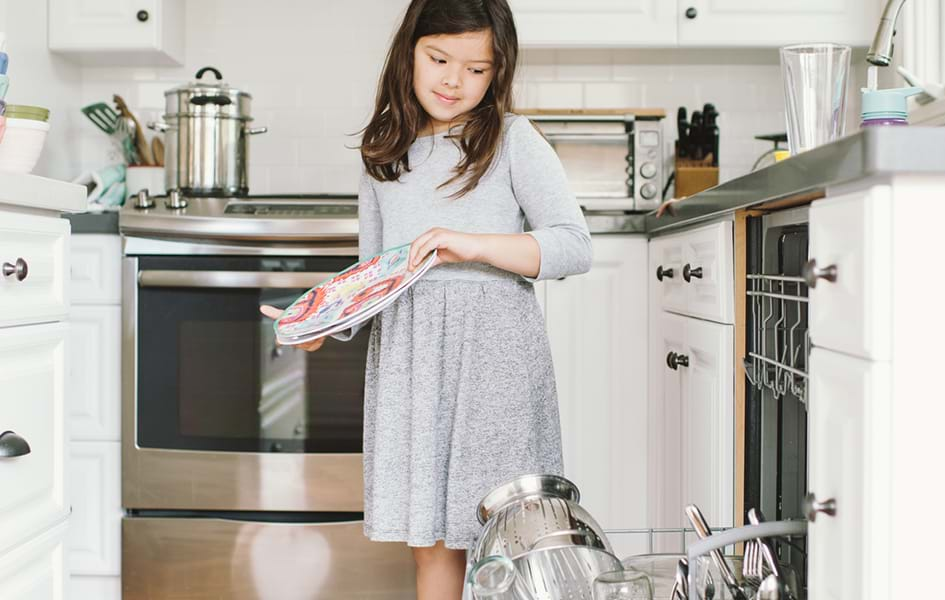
648, 170
811, 273
648, 191
143, 15
689, 273
691, 12
661, 273
812, 506
674, 361
19, 269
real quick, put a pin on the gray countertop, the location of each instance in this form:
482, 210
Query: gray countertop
870, 152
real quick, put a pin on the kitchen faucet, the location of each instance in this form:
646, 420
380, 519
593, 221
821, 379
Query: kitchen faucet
880, 52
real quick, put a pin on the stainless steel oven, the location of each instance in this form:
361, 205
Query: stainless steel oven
241, 459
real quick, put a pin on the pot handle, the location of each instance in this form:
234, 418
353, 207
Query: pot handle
158, 126
542, 538
491, 576
200, 73
256, 130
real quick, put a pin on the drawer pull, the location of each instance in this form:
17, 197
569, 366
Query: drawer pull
811, 273
674, 361
812, 507
688, 273
661, 273
12, 445
20, 269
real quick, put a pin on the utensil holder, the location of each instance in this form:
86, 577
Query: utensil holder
729, 537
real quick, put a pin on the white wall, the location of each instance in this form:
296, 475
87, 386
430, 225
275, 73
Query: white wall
312, 69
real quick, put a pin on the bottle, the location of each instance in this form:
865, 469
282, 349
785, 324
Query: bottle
886, 107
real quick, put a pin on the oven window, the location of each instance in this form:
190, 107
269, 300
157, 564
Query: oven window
211, 377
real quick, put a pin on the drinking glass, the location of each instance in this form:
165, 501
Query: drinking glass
815, 90
623, 585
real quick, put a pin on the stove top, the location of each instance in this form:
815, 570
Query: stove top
282, 218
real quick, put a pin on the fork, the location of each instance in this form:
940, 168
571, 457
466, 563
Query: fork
753, 565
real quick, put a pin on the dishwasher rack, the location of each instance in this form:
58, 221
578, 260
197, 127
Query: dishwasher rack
777, 360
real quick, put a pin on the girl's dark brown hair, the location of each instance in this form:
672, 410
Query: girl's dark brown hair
398, 115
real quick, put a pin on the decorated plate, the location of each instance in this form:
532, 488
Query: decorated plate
355, 294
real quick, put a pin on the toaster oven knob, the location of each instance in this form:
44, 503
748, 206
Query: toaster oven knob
648, 170
648, 191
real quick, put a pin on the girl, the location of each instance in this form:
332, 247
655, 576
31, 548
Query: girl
460, 391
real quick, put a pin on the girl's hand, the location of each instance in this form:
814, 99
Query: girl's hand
451, 247
274, 313
667, 207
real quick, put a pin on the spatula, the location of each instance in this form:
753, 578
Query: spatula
104, 117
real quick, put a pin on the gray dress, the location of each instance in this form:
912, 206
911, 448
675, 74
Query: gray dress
460, 389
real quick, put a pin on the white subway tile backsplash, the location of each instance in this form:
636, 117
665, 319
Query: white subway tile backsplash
613, 95
559, 95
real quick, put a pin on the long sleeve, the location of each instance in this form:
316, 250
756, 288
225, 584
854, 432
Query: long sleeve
370, 236
541, 189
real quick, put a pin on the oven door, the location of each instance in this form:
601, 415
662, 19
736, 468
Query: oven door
216, 415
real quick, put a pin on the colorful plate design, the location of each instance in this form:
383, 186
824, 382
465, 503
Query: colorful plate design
358, 292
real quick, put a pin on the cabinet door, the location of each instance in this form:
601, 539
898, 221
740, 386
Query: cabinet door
95, 526
37, 569
708, 420
667, 256
776, 23
665, 406
94, 392
848, 400
708, 261
33, 487
556, 23
852, 234
96, 269
119, 31
597, 330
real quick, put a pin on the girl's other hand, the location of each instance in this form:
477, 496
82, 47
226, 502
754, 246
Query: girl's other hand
274, 313
451, 247
668, 207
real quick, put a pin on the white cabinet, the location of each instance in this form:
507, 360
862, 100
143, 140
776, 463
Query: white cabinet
33, 251
595, 22
95, 531
776, 23
94, 544
692, 420
849, 418
95, 373
118, 32
36, 570
33, 378
851, 248
597, 327
34, 295
694, 23
692, 272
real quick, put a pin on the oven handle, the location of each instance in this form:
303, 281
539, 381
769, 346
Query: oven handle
587, 137
232, 279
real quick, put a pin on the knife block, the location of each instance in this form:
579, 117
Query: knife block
694, 176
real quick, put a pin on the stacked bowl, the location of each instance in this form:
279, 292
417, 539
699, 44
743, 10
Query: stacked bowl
22, 142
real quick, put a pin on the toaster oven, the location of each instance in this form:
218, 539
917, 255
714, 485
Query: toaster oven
613, 158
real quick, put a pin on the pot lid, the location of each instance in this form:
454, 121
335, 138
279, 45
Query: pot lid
207, 87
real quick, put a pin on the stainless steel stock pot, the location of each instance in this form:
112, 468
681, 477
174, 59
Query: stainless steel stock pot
207, 137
